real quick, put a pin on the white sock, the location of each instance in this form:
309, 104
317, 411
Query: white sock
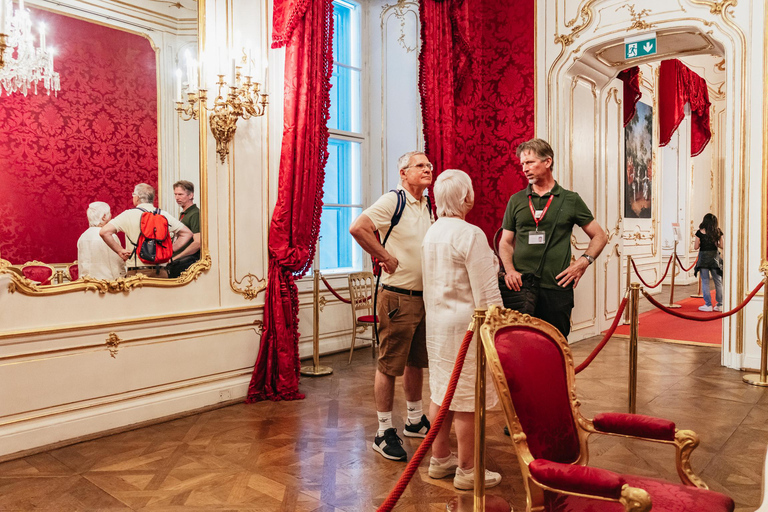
443, 460
385, 421
414, 412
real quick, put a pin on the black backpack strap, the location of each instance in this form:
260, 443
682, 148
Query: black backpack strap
397, 214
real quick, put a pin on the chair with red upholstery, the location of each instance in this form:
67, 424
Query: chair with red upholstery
533, 372
73, 271
39, 272
361, 298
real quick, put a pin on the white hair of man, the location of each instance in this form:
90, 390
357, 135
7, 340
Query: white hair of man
453, 193
96, 212
146, 193
402, 162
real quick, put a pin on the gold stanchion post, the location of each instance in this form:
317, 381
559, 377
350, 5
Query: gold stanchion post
480, 502
761, 379
698, 294
316, 370
629, 281
634, 298
672, 288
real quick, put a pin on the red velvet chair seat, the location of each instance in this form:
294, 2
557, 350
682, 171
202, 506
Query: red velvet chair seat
38, 273
367, 318
665, 497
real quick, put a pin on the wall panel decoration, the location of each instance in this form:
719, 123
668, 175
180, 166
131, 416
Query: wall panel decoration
93, 142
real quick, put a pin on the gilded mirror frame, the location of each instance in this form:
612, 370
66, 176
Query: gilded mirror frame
25, 286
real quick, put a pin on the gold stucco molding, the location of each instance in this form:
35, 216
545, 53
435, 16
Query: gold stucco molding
399, 11
113, 344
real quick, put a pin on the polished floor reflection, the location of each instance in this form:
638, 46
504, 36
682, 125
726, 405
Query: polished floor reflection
315, 455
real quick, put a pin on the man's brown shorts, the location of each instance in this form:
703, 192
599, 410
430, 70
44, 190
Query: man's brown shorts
402, 332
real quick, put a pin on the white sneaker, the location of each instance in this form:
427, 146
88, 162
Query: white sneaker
465, 480
439, 469
705, 308
717, 308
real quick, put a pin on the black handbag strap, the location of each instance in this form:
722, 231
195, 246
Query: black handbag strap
549, 239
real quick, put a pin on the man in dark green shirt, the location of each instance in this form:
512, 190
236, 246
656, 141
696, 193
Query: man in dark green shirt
184, 192
535, 246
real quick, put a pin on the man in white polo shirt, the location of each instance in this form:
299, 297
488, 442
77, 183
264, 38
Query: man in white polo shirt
129, 222
400, 306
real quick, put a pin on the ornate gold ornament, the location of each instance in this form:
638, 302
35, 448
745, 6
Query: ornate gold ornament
638, 23
399, 9
242, 101
321, 302
585, 15
259, 326
635, 499
253, 287
3, 46
113, 344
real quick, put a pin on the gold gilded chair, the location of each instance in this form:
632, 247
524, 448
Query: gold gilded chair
39, 272
533, 372
361, 299
73, 271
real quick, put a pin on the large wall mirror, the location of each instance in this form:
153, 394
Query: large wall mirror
112, 125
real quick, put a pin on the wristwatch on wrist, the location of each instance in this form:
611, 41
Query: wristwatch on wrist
589, 258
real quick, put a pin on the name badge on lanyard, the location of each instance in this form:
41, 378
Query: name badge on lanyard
538, 237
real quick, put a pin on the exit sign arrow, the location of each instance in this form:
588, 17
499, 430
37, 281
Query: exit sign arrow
640, 46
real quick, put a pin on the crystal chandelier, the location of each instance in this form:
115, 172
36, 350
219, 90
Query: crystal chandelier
22, 66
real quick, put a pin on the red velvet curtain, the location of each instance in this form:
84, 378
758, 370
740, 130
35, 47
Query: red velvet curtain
632, 94
306, 27
679, 85
93, 142
477, 93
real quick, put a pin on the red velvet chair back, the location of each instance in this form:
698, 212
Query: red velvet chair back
535, 369
39, 273
74, 272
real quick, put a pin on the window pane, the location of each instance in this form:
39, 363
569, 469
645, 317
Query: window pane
346, 33
345, 100
337, 248
343, 173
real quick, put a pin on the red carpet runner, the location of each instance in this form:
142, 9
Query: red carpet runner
664, 327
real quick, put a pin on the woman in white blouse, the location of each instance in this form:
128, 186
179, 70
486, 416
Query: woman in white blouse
460, 274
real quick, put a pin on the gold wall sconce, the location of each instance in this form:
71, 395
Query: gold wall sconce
239, 97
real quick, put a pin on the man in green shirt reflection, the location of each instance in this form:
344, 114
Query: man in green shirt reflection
184, 192
535, 246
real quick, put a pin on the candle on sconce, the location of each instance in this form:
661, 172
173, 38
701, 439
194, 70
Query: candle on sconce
233, 74
21, 5
178, 85
266, 77
250, 63
42, 36
188, 58
202, 79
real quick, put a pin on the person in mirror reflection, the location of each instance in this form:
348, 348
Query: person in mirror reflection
94, 257
535, 245
184, 192
709, 239
129, 222
400, 305
460, 274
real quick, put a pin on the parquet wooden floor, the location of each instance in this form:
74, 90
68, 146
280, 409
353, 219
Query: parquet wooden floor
315, 454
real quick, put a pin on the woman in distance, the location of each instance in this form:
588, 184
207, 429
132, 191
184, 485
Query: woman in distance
709, 239
460, 274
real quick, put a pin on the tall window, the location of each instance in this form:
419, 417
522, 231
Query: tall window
343, 172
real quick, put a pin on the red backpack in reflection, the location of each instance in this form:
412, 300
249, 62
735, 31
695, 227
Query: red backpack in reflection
154, 246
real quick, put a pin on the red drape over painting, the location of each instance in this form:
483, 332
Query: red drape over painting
94, 142
306, 27
477, 92
679, 85
632, 94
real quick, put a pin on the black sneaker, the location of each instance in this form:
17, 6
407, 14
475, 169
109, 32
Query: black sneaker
419, 429
389, 445
506, 430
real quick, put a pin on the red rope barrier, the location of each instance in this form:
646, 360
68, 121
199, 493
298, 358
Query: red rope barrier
681, 264
605, 339
425, 445
707, 318
330, 289
637, 272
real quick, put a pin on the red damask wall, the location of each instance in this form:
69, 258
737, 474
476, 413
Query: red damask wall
495, 113
477, 88
94, 142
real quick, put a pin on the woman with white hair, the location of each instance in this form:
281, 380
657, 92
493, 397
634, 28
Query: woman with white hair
94, 257
460, 274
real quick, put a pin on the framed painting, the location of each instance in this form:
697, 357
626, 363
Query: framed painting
638, 153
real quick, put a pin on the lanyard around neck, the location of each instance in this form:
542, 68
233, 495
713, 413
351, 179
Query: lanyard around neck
543, 212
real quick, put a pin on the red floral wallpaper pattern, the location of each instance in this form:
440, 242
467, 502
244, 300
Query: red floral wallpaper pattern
94, 142
474, 120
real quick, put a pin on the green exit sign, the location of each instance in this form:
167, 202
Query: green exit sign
640, 46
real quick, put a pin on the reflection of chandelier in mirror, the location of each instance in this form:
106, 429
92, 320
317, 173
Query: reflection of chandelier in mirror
22, 65
243, 99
